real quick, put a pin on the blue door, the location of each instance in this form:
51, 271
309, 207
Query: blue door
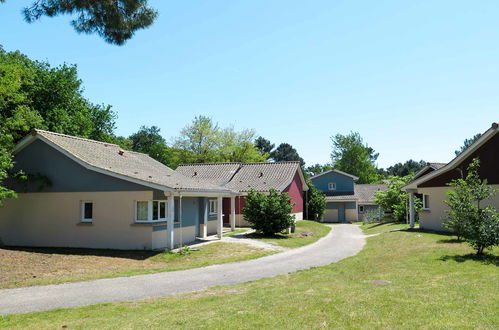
341, 212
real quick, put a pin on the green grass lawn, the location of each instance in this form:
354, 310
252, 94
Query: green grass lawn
53, 266
294, 240
434, 283
236, 232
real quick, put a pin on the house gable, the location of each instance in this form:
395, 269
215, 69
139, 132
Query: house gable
64, 174
489, 163
344, 183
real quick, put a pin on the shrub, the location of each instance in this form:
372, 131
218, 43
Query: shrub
268, 213
316, 204
372, 216
478, 225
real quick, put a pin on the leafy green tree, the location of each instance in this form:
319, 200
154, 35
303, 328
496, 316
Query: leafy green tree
114, 20
467, 216
350, 154
467, 143
316, 205
146, 138
286, 152
395, 199
317, 169
264, 146
203, 141
268, 213
35, 95
404, 169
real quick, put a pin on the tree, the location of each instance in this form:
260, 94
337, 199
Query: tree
286, 152
466, 216
395, 199
404, 169
316, 205
467, 143
264, 146
350, 154
114, 20
317, 169
35, 95
146, 138
203, 141
268, 213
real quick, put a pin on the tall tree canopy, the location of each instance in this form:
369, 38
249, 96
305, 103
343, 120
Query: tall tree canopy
286, 152
404, 169
467, 143
264, 146
317, 169
203, 141
350, 154
35, 95
114, 20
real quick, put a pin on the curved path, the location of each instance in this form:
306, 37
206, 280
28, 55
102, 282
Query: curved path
343, 241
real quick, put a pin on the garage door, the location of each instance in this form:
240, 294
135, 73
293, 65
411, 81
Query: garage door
331, 215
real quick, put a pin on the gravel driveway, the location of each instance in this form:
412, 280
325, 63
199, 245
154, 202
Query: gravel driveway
343, 241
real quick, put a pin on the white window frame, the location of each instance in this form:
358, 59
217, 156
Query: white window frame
425, 206
331, 186
361, 209
213, 206
150, 209
82, 211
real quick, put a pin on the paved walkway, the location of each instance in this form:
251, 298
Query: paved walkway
343, 241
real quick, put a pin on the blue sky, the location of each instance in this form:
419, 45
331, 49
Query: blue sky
414, 78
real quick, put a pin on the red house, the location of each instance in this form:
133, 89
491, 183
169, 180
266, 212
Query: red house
243, 177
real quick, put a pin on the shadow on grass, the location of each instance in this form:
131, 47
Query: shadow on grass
450, 241
487, 259
275, 236
378, 224
124, 254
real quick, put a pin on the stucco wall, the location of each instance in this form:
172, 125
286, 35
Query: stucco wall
53, 220
366, 209
433, 218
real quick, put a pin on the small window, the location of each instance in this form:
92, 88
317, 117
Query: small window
426, 202
213, 206
361, 208
142, 211
87, 211
331, 185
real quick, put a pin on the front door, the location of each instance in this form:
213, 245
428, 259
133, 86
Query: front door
341, 212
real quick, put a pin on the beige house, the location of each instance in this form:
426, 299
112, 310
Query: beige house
433, 185
100, 196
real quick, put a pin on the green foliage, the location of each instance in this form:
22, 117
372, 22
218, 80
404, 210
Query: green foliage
35, 95
264, 146
203, 141
350, 154
478, 225
316, 205
467, 143
317, 169
395, 199
268, 213
286, 152
372, 216
404, 169
114, 20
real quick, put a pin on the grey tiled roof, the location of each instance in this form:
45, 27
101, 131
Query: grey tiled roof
244, 177
216, 173
437, 165
364, 193
264, 176
111, 158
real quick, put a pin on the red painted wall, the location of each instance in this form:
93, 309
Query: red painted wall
295, 191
